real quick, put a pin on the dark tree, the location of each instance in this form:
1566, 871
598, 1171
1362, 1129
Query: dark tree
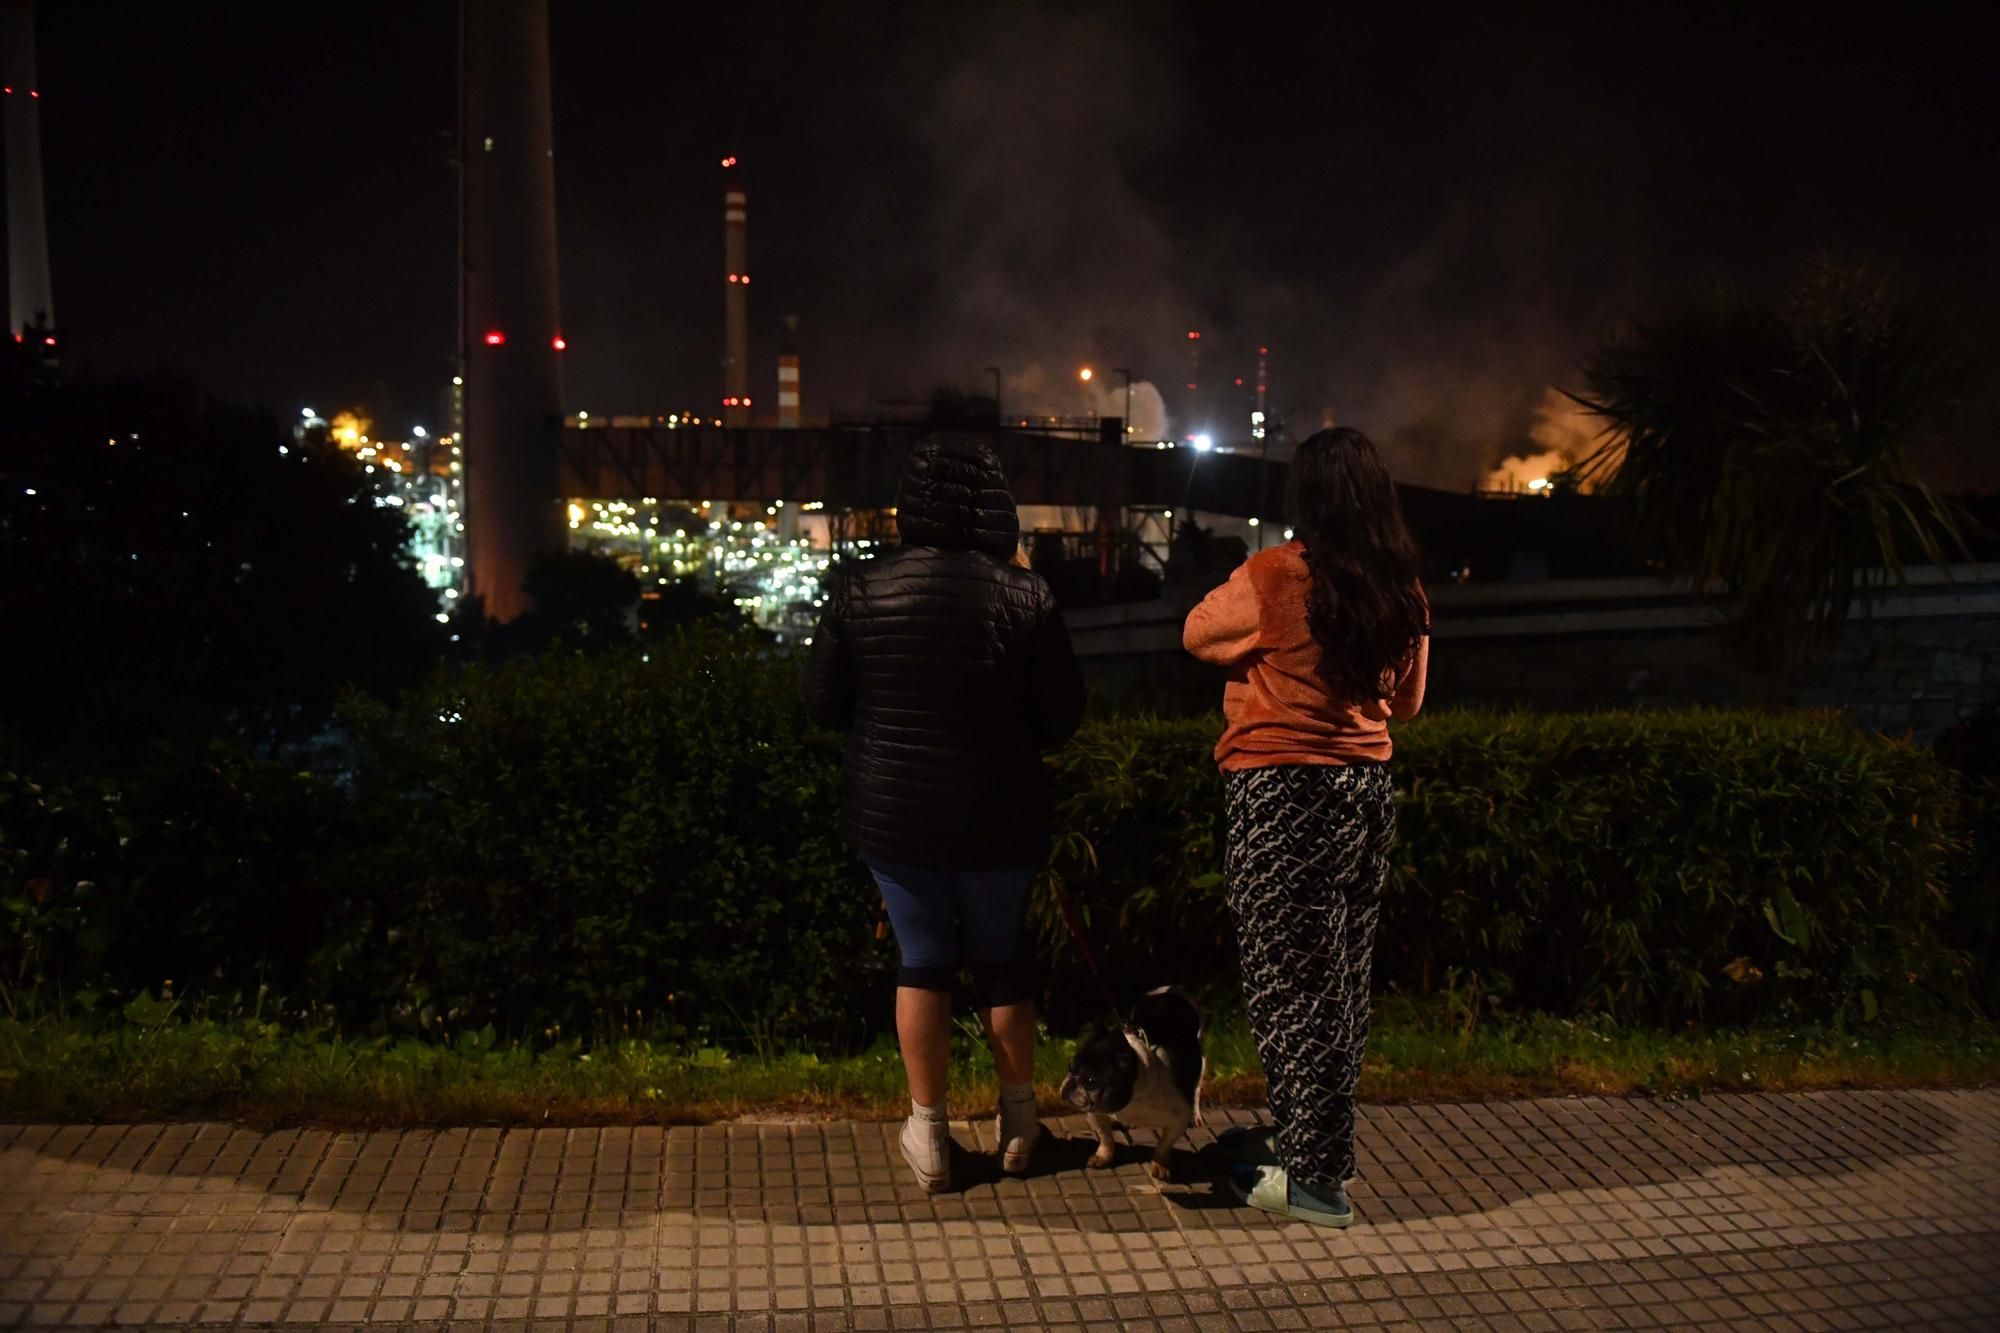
685, 602
1765, 448
582, 600
582, 597
179, 571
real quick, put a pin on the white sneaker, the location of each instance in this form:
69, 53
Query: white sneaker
927, 1148
1019, 1130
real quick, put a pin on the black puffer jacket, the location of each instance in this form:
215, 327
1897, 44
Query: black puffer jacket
951, 672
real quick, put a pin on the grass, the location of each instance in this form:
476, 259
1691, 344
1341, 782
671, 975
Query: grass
259, 1074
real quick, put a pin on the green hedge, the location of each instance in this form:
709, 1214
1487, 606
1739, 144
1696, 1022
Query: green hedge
1654, 866
580, 844
610, 842
214, 875
626, 842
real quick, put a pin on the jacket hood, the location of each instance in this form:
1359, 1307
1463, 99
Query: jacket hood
954, 497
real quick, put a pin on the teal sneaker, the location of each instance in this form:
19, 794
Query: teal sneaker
1268, 1188
1249, 1145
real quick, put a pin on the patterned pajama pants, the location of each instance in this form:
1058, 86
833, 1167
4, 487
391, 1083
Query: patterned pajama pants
1308, 851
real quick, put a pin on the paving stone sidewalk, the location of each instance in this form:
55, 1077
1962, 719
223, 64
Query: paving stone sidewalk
1835, 1210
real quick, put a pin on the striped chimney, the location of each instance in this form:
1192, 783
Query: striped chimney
735, 298
788, 377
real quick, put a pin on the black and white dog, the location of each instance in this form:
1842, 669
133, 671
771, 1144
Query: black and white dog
1145, 1076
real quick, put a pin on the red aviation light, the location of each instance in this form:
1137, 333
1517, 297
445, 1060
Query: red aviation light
728, 162
560, 343
495, 338
1194, 335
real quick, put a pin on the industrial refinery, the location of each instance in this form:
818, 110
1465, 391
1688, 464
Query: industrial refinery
749, 494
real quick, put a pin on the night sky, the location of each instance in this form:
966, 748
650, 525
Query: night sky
1427, 217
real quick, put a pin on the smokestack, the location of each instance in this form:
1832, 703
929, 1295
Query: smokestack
735, 299
29, 301
511, 334
788, 377
1194, 378
1259, 417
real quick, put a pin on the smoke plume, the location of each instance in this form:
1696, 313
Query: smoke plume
1046, 255
1560, 435
1453, 354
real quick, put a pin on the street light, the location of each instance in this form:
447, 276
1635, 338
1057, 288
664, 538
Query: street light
1086, 374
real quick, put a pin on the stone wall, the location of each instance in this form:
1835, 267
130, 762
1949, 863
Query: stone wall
1916, 675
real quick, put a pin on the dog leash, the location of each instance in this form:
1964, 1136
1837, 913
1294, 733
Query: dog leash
1075, 925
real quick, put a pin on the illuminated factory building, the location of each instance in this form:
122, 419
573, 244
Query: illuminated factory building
423, 477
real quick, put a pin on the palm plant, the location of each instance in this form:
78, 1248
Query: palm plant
1766, 452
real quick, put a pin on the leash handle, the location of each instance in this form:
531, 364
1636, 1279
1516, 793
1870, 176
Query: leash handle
1075, 926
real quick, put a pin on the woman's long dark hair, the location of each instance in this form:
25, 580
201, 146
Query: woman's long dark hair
1365, 610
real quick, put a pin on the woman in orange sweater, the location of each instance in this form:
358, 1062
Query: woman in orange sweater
1326, 639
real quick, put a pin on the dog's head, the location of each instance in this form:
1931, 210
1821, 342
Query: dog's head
1103, 1074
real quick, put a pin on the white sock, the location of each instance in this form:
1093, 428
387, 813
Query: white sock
1017, 1114
927, 1142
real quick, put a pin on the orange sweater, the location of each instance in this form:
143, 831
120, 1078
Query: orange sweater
1276, 707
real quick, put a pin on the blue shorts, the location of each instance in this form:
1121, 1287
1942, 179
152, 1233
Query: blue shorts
944, 918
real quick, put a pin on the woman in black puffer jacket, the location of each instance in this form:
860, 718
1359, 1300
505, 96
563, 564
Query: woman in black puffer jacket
946, 663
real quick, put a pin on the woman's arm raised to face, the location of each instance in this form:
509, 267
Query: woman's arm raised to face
1055, 682
1409, 695
1223, 629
